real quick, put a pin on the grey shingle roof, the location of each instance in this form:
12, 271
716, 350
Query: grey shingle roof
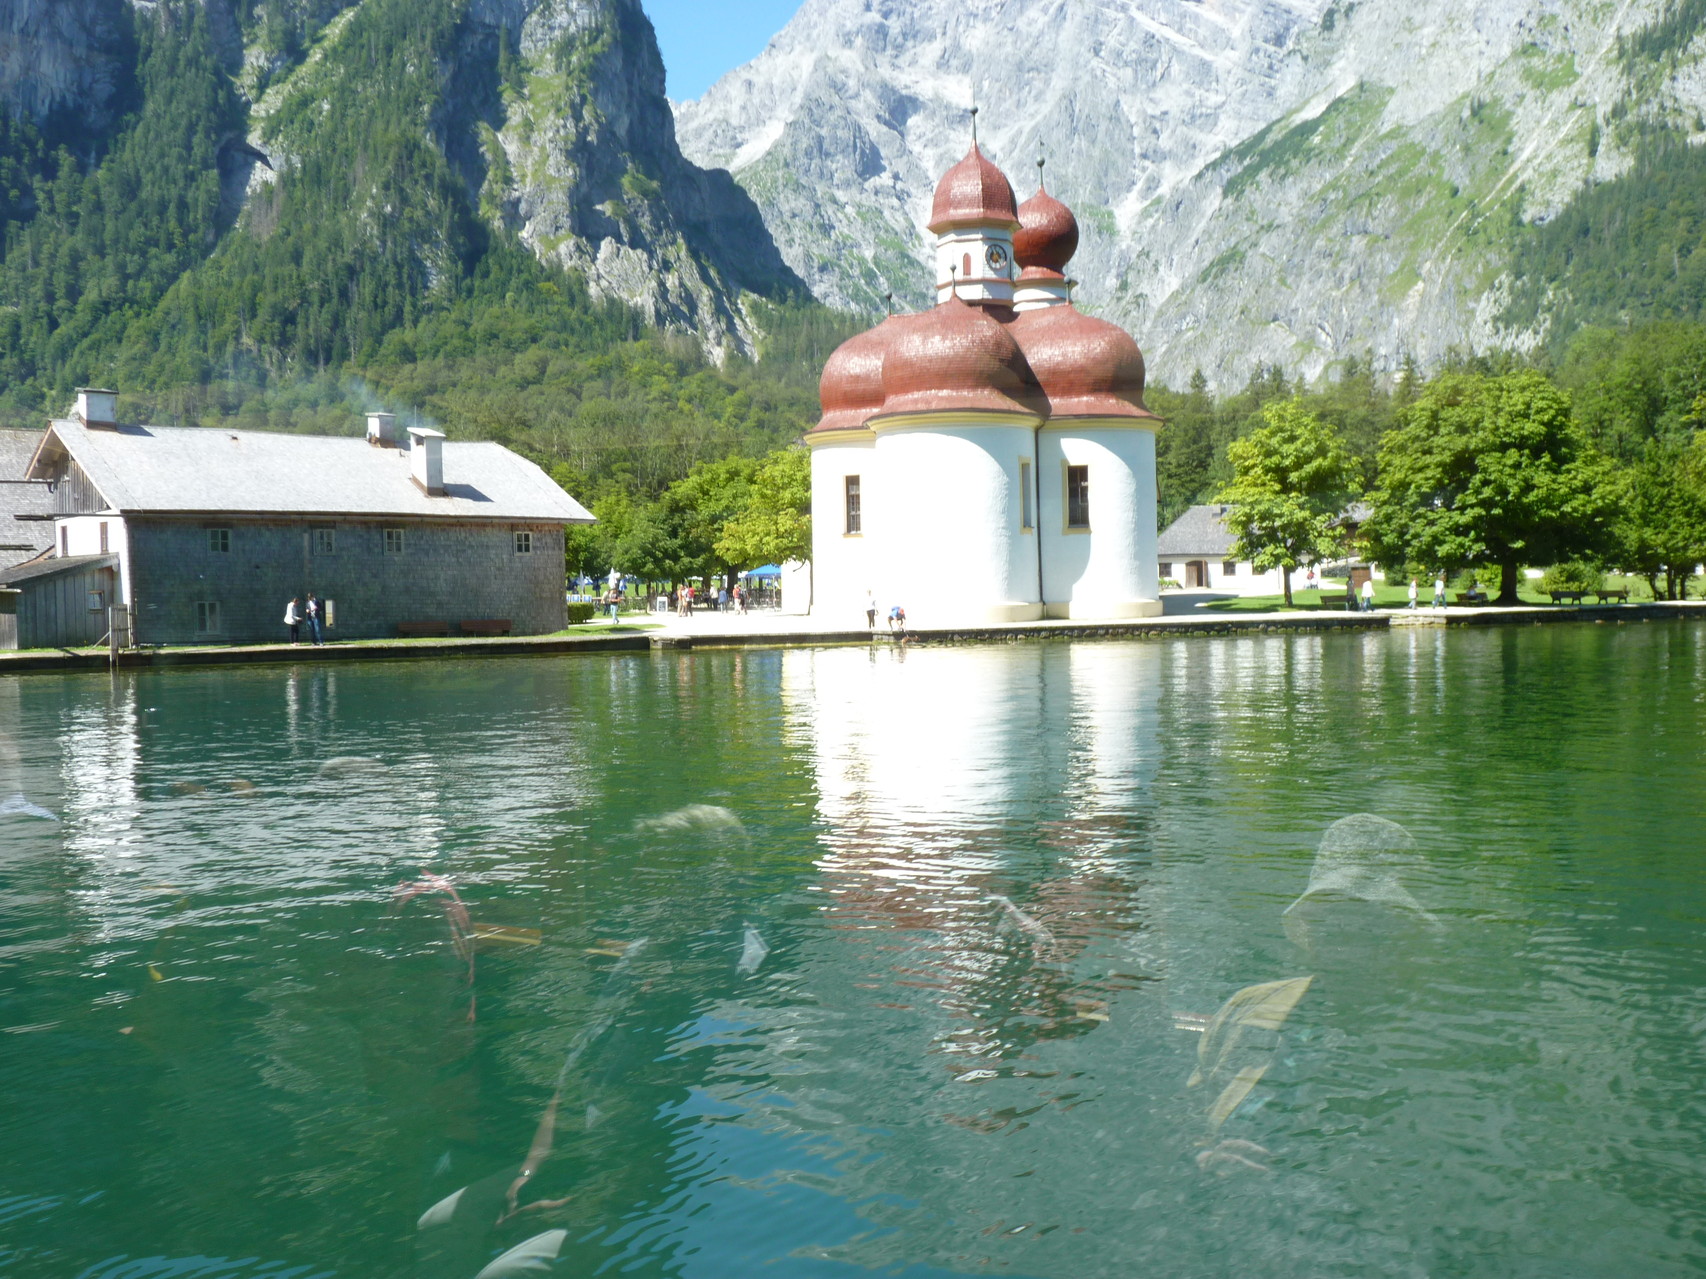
163, 469
21, 540
47, 568
1200, 531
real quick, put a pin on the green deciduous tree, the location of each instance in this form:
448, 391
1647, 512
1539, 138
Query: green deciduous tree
1489, 470
1291, 479
775, 525
1660, 526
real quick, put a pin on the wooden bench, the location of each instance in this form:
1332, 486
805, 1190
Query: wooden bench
412, 630
1571, 597
1471, 596
1621, 596
486, 626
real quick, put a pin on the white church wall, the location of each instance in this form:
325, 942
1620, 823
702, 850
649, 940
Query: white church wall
949, 545
1109, 569
842, 563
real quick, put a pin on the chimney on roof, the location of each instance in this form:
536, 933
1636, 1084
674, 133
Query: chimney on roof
426, 460
382, 430
96, 409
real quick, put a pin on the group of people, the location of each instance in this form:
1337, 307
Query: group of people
1366, 594
297, 613
687, 597
897, 615
1363, 598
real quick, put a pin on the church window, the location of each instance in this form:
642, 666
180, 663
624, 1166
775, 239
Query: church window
1026, 520
1078, 497
965, 268
855, 522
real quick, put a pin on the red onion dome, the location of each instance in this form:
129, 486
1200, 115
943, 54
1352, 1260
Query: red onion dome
1047, 236
973, 193
956, 358
1085, 366
851, 389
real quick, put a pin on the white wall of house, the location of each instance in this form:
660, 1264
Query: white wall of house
946, 523
1229, 577
1107, 569
842, 563
82, 535
796, 588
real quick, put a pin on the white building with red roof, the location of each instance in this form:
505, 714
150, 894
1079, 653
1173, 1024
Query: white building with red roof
990, 459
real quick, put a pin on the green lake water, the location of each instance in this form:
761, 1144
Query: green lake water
861, 962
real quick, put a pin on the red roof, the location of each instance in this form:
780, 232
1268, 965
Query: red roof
1047, 236
1086, 367
851, 389
956, 358
973, 193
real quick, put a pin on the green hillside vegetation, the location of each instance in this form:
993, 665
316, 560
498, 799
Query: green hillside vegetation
1630, 249
364, 275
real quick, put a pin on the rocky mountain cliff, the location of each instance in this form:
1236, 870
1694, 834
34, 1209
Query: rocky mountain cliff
554, 113
551, 113
1296, 182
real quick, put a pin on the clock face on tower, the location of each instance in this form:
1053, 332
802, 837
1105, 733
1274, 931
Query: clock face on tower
996, 256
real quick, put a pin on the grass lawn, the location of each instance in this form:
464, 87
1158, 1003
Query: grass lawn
1331, 598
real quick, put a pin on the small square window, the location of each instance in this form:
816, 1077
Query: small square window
523, 542
1166, 569
219, 541
393, 541
207, 617
325, 541
1077, 497
855, 515
97, 601
1229, 568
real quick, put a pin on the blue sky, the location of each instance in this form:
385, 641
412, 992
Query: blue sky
701, 39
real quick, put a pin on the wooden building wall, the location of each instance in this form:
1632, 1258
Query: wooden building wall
54, 612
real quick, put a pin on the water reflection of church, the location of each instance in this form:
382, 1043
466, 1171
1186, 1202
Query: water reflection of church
989, 857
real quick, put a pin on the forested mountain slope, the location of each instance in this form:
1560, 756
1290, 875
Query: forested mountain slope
224, 205
1291, 182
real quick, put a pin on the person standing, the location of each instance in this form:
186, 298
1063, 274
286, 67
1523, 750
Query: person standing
740, 599
722, 599
1368, 594
293, 619
313, 610
1439, 591
870, 610
1415, 593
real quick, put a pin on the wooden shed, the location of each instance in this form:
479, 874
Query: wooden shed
61, 603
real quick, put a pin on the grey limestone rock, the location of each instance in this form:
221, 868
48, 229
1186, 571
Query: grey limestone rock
1299, 182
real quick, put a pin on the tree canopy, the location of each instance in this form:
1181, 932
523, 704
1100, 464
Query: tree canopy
1488, 469
1291, 480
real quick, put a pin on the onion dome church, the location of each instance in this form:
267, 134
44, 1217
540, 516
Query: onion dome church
989, 459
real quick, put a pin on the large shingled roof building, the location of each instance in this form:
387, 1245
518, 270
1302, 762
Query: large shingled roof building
990, 459
208, 533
